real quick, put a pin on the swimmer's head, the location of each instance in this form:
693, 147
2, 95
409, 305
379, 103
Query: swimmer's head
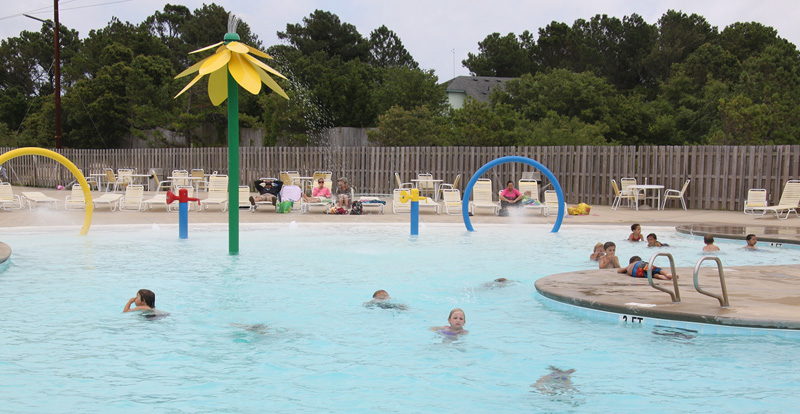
708, 239
635, 226
634, 259
457, 319
610, 247
599, 246
501, 280
147, 296
380, 295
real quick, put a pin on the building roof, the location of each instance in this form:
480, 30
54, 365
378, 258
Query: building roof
477, 87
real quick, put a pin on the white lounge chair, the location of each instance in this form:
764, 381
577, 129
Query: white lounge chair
159, 199
75, 198
550, 202
400, 183
454, 186
482, 196
217, 195
451, 200
756, 198
34, 198
109, 200
676, 195
369, 204
526, 185
9, 200
400, 207
132, 200
790, 198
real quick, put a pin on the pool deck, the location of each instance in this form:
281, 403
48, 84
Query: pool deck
760, 296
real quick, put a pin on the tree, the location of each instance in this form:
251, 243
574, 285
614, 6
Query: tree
503, 56
678, 36
419, 126
387, 50
407, 88
323, 32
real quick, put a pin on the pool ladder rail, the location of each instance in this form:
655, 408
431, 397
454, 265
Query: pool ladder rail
675, 294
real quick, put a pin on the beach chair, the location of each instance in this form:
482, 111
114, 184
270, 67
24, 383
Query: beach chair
159, 199
107, 200
400, 207
175, 206
619, 196
9, 200
160, 185
550, 202
75, 198
625, 184
180, 178
288, 176
199, 179
425, 184
790, 198
132, 200
451, 201
676, 195
111, 179
756, 198
370, 204
482, 196
34, 198
526, 185
400, 183
244, 198
455, 186
217, 195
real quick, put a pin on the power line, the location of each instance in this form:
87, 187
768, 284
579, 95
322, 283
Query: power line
46, 9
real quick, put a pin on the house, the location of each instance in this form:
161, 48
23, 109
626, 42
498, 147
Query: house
476, 87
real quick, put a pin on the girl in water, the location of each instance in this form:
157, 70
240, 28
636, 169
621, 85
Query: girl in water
145, 300
456, 327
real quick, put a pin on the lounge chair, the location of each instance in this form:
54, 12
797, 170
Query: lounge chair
790, 198
550, 202
160, 185
400, 183
451, 201
400, 207
75, 198
756, 198
426, 185
455, 186
109, 200
9, 200
482, 196
132, 200
199, 179
34, 198
180, 178
217, 193
676, 195
371, 204
159, 199
530, 185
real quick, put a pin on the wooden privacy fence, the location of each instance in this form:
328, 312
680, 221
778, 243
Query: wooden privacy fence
721, 175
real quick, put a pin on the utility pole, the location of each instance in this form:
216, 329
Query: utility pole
57, 65
57, 48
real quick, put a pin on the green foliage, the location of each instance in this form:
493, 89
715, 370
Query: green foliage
387, 50
323, 32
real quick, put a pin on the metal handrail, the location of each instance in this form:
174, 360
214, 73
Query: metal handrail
676, 294
723, 300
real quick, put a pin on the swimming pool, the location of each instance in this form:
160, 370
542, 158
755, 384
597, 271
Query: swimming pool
66, 346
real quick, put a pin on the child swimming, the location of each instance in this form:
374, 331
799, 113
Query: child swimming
710, 246
636, 233
381, 299
609, 260
457, 320
145, 300
652, 241
597, 253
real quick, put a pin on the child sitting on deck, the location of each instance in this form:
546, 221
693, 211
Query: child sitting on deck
638, 268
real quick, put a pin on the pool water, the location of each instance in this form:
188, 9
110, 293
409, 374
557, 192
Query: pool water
65, 344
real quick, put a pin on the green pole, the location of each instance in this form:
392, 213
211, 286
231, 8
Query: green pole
233, 160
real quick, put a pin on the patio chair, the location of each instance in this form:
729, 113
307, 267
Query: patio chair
160, 185
619, 196
455, 186
676, 195
199, 179
756, 198
112, 180
626, 183
9, 200
75, 198
180, 178
217, 195
159, 199
451, 200
400, 183
132, 200
550, 202
482, 196
529, 185
790, 198
107, 200
425, 184
34, 198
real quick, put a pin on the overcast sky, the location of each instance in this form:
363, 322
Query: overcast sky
436, 32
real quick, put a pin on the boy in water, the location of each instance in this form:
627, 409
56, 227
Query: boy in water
638, 268
710, 246
609, 260
652, 241
382, 299
751, 242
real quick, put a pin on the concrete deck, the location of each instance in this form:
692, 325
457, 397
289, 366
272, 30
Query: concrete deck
760, 296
